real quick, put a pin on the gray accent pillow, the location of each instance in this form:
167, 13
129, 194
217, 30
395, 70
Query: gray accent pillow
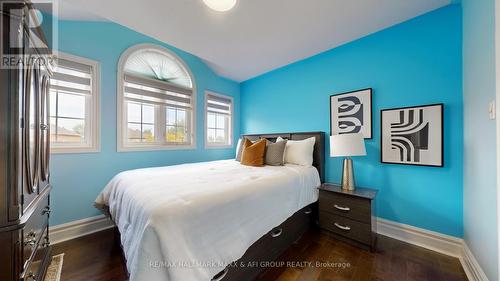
275, 152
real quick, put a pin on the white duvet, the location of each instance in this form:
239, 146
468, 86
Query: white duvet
188, 222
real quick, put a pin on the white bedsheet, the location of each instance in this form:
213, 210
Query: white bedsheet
187, 222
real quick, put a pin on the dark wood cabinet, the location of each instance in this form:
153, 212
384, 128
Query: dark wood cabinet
24, 153
348, 215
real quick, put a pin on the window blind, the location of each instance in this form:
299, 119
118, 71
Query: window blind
153, 91
72, 77
218, 104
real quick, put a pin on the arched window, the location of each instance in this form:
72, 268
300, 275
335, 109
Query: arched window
156, 100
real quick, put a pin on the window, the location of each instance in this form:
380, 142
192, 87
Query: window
155, 100
219, 126
74, 110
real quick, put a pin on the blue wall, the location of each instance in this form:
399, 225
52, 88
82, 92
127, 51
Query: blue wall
480, 162
416, 62
78, 178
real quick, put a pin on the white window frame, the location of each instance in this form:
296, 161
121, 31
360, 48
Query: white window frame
121, 113
209, 145
92, 112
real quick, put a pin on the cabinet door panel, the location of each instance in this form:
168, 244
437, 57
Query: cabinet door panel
31, 138
44, 131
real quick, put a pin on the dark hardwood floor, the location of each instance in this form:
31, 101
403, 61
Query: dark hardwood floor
98, 257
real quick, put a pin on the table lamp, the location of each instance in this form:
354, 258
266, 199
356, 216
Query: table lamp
347, 145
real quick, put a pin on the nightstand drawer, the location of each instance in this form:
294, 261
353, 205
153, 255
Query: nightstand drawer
354, 208
351, 229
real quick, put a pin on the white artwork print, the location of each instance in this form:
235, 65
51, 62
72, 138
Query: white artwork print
413, 135
351, 113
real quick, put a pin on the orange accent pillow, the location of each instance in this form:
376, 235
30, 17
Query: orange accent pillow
253, 153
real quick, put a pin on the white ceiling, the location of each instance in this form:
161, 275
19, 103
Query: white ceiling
67, 10
257, 35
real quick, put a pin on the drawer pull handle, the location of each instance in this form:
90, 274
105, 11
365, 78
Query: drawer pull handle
31, 276
30, 239
30, 242
346, 228
345, 209
308, 211
277, 232
222, 275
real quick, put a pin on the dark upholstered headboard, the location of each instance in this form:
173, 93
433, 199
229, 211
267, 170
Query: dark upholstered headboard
319, 146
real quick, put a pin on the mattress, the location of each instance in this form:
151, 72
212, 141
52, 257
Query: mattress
190, 221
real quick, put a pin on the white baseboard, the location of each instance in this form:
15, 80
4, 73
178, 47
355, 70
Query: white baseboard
431, 240
471, 266
434, 241
75, 229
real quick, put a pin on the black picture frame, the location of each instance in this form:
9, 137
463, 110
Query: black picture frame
370, 108
441, 142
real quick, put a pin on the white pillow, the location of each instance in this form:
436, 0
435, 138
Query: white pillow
282, 139
300, 152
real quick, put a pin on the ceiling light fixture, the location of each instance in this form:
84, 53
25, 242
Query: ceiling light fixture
220, 5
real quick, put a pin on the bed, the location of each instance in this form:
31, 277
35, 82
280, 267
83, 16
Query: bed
214, 220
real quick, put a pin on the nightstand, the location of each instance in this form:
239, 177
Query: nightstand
348, 215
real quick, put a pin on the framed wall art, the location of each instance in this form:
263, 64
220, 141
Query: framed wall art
351, 112
412, 135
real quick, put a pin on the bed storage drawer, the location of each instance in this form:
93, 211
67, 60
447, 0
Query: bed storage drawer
291, 230
288, 232
269, 247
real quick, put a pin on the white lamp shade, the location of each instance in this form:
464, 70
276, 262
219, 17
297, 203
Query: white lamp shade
220, 5
347, 145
